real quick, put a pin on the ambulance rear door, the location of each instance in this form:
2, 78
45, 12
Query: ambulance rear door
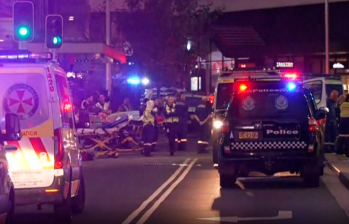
25, 91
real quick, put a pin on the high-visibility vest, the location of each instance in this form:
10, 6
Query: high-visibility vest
148, 117
105, 107
170, 115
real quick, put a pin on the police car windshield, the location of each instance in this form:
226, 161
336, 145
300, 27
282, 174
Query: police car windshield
224, 94
266, 105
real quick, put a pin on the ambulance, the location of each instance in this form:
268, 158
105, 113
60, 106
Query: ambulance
46, 167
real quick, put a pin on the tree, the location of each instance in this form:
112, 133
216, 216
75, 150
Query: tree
159, 30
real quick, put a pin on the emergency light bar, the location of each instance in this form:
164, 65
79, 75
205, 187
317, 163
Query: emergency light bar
10, 57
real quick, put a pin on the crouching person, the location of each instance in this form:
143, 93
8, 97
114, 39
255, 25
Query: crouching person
148, 127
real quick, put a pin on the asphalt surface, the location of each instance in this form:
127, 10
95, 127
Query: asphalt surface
185, 189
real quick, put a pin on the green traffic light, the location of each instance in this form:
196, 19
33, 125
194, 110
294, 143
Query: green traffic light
23, 32
57, 40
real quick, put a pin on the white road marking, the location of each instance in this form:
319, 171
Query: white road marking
235, 219
154, 195
145, 217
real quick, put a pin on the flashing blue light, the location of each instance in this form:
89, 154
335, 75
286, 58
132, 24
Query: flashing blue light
291, 86
133, 81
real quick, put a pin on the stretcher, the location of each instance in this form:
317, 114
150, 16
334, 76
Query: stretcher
108, 139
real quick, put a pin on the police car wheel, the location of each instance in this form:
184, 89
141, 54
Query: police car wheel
227, 180
11, 211
63, 211
78, 202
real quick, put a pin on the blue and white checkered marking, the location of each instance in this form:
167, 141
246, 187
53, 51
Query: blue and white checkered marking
268, 145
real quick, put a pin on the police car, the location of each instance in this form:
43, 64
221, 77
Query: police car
222, 96
271, 127
46, 167
11, 132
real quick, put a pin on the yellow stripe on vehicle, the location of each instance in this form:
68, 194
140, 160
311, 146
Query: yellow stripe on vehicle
41, 131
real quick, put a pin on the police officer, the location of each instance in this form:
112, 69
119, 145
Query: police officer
182, 112
203, 117
171, 124
331, 131
148, 127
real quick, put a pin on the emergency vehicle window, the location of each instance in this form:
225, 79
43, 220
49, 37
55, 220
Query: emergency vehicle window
316, 88
331, 87
65, 101
26, 96
224, 95
270, 106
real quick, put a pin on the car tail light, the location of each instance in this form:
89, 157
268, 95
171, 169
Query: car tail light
58, 149
312, 125
67, 106
242, 87
225, 127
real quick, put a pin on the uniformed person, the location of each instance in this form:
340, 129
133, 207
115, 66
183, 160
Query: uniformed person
148, 127
171, 124
126, 106
102, 105
182, 112
88, 104
157, 106
203, 117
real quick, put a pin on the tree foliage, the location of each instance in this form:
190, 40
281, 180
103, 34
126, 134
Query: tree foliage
158, 31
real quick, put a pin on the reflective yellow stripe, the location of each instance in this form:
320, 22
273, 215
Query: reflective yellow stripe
184, 140
202, 142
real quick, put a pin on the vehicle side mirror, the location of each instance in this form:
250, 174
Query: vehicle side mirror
325, 109
13, 128
320, 114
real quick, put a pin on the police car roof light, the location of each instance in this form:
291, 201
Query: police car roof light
291, 86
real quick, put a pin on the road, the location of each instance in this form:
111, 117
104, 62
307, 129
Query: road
185, 189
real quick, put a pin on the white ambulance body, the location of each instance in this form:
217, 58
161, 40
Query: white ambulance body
46, 168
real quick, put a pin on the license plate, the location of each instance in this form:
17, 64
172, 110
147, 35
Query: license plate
248, 135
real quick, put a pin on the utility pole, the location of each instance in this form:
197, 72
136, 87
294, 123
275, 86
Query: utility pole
108, 80
327, 37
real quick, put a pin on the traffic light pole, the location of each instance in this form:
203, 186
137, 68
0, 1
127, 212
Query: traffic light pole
327, 37
108, 78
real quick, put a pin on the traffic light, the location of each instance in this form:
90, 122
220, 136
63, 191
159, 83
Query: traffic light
54, 31
23, 21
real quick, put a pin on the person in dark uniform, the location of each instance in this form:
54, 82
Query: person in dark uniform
203, 117
157, 110
182, 112
331, 131
171, 124
148, 127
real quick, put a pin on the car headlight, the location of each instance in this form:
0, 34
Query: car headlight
217, 124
